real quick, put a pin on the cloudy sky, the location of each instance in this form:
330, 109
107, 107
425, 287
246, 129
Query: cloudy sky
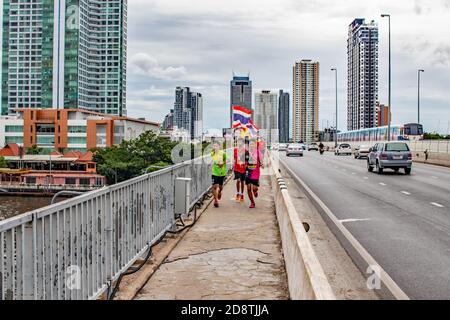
198, 43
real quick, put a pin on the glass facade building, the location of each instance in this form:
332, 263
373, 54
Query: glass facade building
240, 94
362, 50
283, 117
64, 54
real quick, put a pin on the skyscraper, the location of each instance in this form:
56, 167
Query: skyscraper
240, 94
188, 112
283, 117
305, 101
362, 48
266, 115
64, 54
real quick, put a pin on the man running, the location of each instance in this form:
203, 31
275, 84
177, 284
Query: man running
254, 162
219, 171
239, 169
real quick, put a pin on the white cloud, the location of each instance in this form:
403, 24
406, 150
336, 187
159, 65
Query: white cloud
144, 64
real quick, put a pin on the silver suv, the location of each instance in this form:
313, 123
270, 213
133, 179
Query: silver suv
390, 155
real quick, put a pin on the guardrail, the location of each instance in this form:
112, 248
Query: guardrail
436, 146
306, 278
76, 249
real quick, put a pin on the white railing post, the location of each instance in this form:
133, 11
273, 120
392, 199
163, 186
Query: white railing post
28, 270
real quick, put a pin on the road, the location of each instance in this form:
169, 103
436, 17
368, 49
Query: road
402, 221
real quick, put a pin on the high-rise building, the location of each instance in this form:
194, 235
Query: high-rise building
382, 115
266, 115
240, 94
283, 116
168, 121
305, 101
64, 54
188, 112
362, 48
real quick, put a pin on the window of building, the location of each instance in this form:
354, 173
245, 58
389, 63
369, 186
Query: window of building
85, 181
71, 181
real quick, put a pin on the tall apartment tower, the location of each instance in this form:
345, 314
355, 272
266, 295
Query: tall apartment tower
188, 112
240, 94
64, 54
305, 101
362, 48
266, 115
283, 116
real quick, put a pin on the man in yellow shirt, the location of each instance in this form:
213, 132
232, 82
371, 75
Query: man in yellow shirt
219, 171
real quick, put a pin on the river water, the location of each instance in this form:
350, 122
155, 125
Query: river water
13, 206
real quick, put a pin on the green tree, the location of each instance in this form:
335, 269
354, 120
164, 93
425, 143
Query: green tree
132, 158
34, 150
3, 163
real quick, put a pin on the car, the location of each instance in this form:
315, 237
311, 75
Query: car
303, 146
294, 149
362, 151
282, 147
313, 146
390, 155
343, 148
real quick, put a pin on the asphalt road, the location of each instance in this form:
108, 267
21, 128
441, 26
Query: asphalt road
402, 221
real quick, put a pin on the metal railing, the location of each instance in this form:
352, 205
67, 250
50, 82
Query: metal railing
76, 249
433, 146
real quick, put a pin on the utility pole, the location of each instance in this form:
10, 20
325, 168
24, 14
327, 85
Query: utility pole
390, 73
336, 84
418, 94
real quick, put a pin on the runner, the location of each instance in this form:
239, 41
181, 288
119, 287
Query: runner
219, 171
254, 162
239, 169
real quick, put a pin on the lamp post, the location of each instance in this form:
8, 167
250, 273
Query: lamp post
389, 100
418, 94
336, 84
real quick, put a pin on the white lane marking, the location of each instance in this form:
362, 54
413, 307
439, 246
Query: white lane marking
437, 204
406, 192
434, 177
366, 178
382, 184
353, 172
353, 220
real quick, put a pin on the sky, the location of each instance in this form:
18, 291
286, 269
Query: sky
199, 43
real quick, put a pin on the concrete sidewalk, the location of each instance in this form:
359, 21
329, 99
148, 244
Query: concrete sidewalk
232, 252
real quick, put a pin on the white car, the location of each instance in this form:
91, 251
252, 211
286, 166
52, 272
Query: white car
282, 147
343, 148
362, 151
294, 150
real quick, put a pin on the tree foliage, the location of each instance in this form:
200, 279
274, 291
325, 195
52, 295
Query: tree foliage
35, 150
132, 158
435, 136
3, 163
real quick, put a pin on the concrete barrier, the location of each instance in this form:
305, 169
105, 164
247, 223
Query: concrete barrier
306, 278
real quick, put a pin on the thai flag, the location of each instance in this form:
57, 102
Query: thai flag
253, 130
241, 116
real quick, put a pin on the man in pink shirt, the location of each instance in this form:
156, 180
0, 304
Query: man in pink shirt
253, 159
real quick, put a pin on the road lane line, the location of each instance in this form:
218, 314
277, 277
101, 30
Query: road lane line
406, 192
437, 204
382, 184
353, 220
353, 172
434, 177
390, 284
366, 178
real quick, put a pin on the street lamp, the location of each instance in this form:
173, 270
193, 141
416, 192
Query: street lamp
418, 94
389, 100
335, 134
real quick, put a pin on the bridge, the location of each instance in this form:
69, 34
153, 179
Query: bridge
324, 228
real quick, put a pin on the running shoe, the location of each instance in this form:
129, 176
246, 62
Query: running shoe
242, 198
252, 206
238, 197
216, 204
255, 193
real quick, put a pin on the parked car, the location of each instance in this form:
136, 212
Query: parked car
343, 148
294, 149
313, 146
282, 147
362, 151
390, 155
